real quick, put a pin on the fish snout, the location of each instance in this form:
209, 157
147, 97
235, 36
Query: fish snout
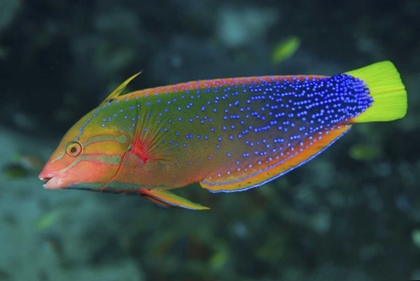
52, 180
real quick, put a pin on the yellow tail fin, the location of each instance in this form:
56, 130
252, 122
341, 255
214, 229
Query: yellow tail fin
387, 90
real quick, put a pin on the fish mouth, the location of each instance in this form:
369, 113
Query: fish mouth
46, 179
53, 182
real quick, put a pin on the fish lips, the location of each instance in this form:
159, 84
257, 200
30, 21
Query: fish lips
53, 181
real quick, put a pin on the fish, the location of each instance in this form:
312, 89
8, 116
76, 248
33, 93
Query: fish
285, 49
228, 135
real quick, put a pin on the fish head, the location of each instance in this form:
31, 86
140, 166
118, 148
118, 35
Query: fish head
87, 157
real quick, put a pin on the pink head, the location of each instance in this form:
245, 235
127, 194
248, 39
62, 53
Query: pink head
87, 157
90, 154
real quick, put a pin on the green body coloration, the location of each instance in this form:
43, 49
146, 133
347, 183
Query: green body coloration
227, 134
168, 132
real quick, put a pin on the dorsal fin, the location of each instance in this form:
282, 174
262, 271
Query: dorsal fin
120, 88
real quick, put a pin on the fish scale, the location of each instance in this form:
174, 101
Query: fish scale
227, 134
216, 130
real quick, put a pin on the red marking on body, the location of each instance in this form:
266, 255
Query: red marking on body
139, 148
139, 151
144, 149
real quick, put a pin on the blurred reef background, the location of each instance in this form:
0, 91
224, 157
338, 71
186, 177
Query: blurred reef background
353, 213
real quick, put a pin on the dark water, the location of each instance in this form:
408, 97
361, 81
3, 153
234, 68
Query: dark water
353, 213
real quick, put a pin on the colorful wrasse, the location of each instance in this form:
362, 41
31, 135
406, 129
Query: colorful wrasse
227, 134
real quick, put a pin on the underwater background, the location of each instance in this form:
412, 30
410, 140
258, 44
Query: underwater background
353, 213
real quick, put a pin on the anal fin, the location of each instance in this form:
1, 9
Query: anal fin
167, 199
261, 174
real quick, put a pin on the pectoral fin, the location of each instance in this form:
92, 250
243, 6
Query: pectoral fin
168, 199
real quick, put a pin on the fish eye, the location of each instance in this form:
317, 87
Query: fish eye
74, 148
